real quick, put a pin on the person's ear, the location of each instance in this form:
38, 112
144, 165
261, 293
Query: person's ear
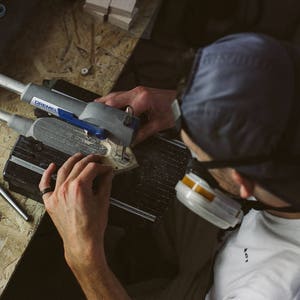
246, 185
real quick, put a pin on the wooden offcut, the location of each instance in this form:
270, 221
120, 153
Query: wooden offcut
98, 5
123, 7
122, 21
101, 16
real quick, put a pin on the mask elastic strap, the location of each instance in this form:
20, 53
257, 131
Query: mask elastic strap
250, 160
200, 169
219, 164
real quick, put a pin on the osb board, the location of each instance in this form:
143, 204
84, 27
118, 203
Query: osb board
58, 42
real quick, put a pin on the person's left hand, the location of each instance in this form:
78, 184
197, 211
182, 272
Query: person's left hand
156, 104
79, 207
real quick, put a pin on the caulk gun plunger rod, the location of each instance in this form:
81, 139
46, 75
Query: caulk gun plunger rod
11, 84
4, 116
20, 124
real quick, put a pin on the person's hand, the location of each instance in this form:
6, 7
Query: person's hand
155, 103
79, 207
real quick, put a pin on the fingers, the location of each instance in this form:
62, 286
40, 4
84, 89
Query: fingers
146, 131
112, 99
46, 180
93, 170
152, 127
141, 136
138, 98
79, 166
69, 170
66, 168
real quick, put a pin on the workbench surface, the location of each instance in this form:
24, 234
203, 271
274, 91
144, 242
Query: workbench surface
58, 41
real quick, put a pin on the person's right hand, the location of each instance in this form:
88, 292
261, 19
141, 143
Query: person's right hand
155, 103
78, 207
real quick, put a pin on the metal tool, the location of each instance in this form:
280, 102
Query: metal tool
55, 133
96, 118
129, 111
68, 139
13, 204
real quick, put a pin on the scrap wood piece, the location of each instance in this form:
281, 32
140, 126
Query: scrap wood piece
95, 13
123, 7
122, 21
101, 6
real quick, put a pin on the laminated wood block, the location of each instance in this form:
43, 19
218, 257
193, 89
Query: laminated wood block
122, 21
97, 14
98, 5
123, 7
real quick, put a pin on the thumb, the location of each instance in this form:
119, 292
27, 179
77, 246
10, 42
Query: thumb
146, 131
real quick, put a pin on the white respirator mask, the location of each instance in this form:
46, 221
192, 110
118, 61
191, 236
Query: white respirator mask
201, 193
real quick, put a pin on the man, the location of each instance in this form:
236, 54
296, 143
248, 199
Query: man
239, 115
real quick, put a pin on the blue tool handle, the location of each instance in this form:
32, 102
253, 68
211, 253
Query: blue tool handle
93, 130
